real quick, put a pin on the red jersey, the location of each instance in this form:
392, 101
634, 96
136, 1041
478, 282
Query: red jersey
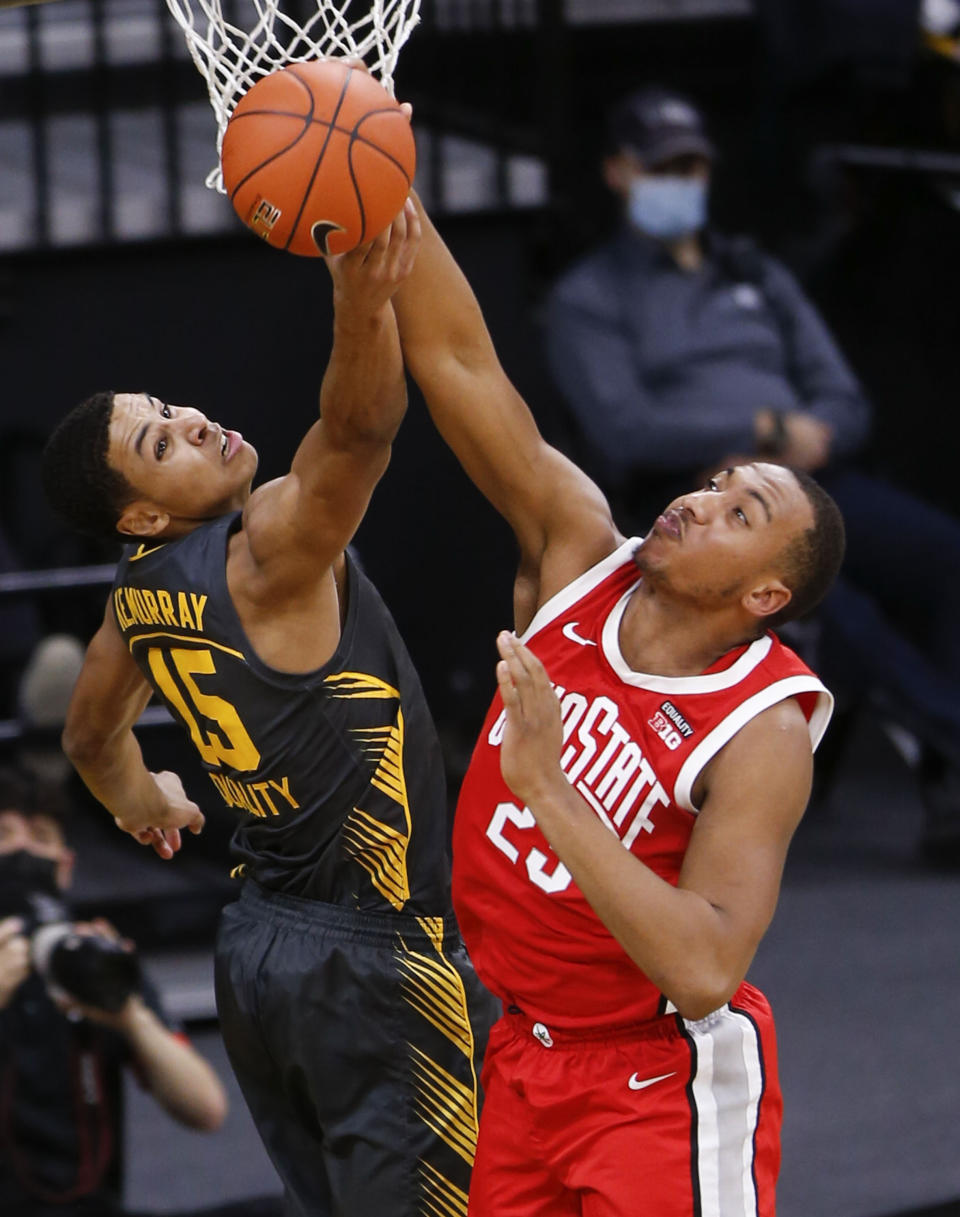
633, 746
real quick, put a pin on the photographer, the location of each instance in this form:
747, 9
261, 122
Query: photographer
61, 1059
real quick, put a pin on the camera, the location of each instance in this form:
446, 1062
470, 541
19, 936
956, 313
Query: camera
86, 966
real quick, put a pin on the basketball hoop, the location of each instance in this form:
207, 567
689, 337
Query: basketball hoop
261, 37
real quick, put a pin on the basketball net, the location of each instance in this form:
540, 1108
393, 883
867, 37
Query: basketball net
260, 38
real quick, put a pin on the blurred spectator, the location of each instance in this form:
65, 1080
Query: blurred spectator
61, 1059
43, 694
680, 351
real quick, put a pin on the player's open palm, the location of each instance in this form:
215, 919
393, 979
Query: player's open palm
530, 751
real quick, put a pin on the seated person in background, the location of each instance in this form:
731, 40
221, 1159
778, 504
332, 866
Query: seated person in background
60, 1059
680, 351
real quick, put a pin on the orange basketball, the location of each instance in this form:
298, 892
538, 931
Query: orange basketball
317, 158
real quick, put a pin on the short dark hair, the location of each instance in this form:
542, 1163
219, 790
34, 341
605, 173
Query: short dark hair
24, 792
79, 483
811, 561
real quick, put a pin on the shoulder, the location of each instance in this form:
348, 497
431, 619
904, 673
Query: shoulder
763, 774
743, 254
586, 284
268, 531
773, 746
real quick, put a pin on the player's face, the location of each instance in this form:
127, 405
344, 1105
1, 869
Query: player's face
175, 457
713, 544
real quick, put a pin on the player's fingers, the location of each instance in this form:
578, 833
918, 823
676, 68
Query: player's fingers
398, 229
370, 256
381, 242
139, 834
505, 643
518, 676
407, 110
197, 823
539, 680
414, 227
512, 651
508, 690
162, 848
407, 254
390, 257
531, 665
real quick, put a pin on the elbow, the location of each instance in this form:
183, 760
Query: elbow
81, 742
697, 1005
698, 994
77, 744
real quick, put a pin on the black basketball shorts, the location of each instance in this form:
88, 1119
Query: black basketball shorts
357, 1041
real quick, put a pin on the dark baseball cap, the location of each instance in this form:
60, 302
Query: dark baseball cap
658, 125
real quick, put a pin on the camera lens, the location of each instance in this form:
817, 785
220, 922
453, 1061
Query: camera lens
95, 970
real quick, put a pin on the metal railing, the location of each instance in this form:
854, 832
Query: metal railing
62, 579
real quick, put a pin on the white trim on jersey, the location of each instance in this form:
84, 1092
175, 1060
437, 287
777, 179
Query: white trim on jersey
568, 596
713, 682
726, 1089
727, 728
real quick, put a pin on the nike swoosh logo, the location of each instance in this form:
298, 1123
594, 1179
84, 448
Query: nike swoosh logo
570, 631
142, 551
636, 1084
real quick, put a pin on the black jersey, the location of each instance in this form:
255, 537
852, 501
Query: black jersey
337, 773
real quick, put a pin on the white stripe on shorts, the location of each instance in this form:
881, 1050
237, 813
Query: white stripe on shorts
727, 1086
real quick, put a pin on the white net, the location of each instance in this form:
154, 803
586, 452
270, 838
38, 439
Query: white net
235, 42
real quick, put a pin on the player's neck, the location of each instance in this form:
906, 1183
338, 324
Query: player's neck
668, 637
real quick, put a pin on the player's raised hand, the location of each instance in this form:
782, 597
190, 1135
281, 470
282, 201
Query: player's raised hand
177, 812
530, 751
366, 278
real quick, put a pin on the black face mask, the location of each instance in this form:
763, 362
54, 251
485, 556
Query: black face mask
23, 877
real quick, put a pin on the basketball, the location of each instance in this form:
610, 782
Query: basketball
317, 158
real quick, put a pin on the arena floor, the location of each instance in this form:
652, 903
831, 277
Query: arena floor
861, 967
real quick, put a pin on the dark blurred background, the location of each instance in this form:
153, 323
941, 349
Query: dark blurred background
839, 124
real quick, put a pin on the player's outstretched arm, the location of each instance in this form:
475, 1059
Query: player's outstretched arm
108, 698
552, 506
694, 941
313, 512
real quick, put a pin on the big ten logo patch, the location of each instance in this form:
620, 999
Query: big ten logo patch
670, 725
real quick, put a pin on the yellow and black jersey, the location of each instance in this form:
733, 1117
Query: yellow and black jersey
336, 774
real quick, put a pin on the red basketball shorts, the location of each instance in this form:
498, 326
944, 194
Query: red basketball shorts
669, 1119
